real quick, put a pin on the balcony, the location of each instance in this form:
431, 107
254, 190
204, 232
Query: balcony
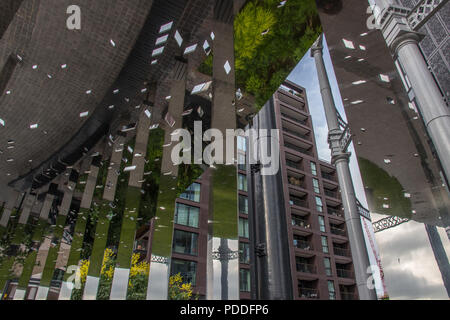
329, 176
297, 134
295, 119
345, 273
299, 222
294, 181
297, 148
341, 252
308, 293
332, 194
348, 296
302, 244
305, 267
294, 164
337, 231
298, 202
335, 212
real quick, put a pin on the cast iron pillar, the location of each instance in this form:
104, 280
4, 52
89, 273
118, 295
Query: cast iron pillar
403, 41
340, 158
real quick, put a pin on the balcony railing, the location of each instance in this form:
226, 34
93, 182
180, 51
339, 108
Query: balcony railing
308, 293
332, 194
343, 273
298, 222
306, 267
304, 122
293, 164
301, 244
297, 148
341, 252
348, 296
335, 212
298, 202
297, 134
329, 176
338, 231
296, 182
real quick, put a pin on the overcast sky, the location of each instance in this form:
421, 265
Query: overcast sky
409, 266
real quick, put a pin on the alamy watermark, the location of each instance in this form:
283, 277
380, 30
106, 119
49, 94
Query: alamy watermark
262, 147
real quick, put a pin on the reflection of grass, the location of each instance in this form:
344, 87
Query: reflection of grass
224, 188
30, 260
382, 185
128, 227
77, 241
162, 239
147, 207
264, 60
47, 274
101, 235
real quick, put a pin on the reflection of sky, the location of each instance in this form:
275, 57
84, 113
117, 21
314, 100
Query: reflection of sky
417, 275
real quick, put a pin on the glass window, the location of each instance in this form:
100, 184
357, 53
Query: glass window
243, 204
244, 280
244, 252
242, 182
185, 242
313, 169
319, 205
242, 143
241, 161
316, 185
187, 270
325, 244
327, 264
322, 224
187, 215
331, 291
192, 193
243, 228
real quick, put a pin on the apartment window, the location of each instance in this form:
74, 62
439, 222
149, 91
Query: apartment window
243, 204
192, 193
244, 280
241, 143
242, 182
331, 290
244, 252
185, 242
325, 244
316, 185
313, 169
327, 264
187, 270
187, 215
241, 161
322, 224
319, 205
243, 228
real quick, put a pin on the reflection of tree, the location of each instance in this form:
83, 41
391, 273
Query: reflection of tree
384, 189
269, 42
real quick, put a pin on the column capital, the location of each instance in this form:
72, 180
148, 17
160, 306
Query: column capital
396, 29
341, 156
317, 46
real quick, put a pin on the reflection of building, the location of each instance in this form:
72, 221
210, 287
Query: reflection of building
318, 249
302, 206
